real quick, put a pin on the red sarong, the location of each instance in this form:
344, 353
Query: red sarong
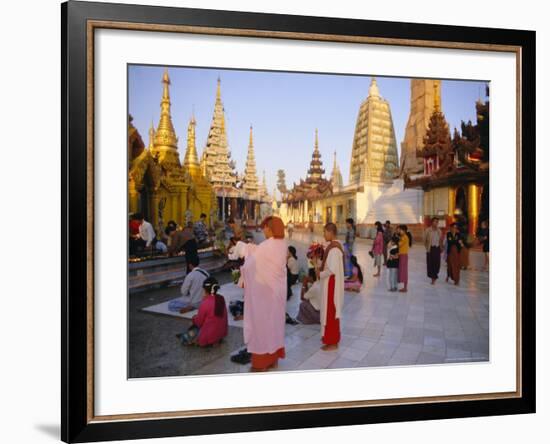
453, 264
265, 360
331, 334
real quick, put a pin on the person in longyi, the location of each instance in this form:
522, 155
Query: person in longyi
331, 274
264, 277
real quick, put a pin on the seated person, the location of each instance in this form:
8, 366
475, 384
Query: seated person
233, 262
176, 239
146, 239
210, 323
192, 287
355, 281
292, 270
309, 312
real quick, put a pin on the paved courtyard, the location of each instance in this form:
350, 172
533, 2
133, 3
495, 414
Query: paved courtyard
429, 324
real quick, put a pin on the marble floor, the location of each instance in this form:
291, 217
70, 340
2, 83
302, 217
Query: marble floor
429, 324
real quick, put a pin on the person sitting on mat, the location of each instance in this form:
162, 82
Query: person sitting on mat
210, 323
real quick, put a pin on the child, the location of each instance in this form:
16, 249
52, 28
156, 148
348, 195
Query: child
355, 282
210, 323
393, 262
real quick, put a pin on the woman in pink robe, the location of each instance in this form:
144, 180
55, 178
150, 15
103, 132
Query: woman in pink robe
264, 278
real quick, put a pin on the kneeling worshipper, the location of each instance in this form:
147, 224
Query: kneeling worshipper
331, 275
355, 282
309, 311
264, 279
210, 323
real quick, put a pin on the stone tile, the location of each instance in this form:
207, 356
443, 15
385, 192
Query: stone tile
354, 354
362, 344
324, 358
430, 341
343, 363
404, 357
413, 335
429, 358
454, 353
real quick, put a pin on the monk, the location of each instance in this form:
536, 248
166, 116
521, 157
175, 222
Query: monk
331, 274
264, 279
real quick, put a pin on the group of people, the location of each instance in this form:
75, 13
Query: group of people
175, 240
389, 248
454, 245
269, 269
265, 276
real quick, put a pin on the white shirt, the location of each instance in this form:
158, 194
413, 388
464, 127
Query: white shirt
293, 265
313, 295
191, 289
146, 232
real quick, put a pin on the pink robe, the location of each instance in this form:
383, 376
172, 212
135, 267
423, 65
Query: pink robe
212, 328
378, 247
264, 278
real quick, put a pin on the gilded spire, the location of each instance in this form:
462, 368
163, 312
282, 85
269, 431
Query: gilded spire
165, 136
191, 157
151, 137
250, 185
336, 176
217, 163
263, 187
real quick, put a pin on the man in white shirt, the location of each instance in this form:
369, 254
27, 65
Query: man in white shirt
146, 231
191, 289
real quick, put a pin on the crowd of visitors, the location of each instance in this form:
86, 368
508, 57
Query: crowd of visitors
268, 270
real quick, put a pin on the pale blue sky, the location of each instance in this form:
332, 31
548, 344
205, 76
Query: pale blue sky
284, 110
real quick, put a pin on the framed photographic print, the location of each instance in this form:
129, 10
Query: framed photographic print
297, 233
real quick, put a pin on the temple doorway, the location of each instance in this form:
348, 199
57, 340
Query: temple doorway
461, 210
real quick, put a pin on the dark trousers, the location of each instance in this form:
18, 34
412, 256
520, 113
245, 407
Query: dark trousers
291, 279
433, 262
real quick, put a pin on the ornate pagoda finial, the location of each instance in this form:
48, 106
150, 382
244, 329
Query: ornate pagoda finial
373, 90
219, 89
316, 147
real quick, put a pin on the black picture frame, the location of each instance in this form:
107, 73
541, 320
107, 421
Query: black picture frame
76, 423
